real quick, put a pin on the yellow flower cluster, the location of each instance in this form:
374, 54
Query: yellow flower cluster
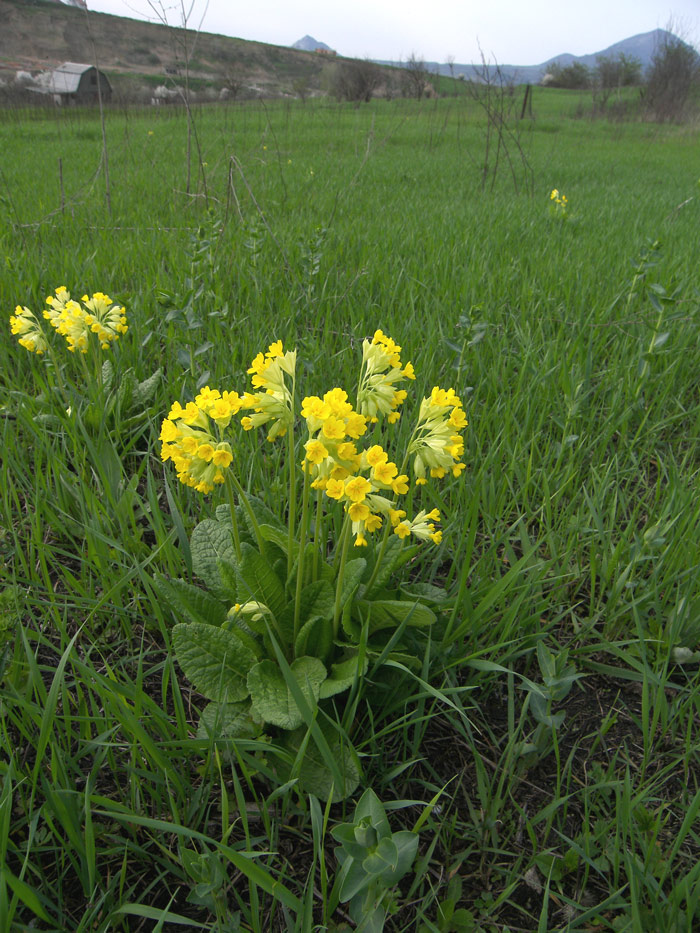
190, 441
437, 443
337, 466
422, 527
97, 315
381, 371
365, 481
25, 326
560, 200
276, 402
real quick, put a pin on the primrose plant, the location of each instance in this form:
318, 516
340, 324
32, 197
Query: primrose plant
373, 860
90, 386
292, 616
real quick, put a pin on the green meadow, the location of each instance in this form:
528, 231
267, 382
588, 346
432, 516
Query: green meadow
540, 736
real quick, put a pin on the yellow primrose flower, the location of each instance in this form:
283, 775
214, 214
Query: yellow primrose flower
335, 488
315, 451
357, 488
358, 512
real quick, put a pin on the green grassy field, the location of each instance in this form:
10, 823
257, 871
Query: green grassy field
553, 717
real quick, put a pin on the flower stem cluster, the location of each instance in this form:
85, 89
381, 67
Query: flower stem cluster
276, 400
365, 481
437, 444
191, 438
381, 371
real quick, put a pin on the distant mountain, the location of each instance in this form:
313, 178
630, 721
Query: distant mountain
641, 47
309, 44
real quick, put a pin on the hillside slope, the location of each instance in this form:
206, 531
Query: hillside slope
38, 35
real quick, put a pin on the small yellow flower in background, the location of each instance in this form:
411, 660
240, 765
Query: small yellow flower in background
150, 132
561, 202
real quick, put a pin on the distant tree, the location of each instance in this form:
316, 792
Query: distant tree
612, 73
673, 73
574, 76
414, 77
301, 88
354, 80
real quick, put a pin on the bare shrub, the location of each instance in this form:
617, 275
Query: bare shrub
673, 74
354, 81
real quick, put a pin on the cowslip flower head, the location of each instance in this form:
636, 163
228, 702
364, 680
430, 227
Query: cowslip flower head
104, 318
275, 403
437, 443
190, 440
26, 327
98, 315
382, 370
422, 526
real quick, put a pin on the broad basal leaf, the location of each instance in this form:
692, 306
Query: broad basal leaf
351, 578
227, 721
211, 544
315, 638
190, 603
257, 580
316, 602
342, 676
388, 613
315, 777
273, 700
216, 661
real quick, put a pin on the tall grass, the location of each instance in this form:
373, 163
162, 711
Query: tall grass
574, 343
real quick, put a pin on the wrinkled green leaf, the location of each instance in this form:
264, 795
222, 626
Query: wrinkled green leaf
342, 676
190, 603
257, 580
227, 721
146, 390
315, 776
215, 660
315, 638
211, 544
352, 576
388, 613
272, 698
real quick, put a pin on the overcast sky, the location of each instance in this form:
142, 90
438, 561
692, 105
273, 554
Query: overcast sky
515, 32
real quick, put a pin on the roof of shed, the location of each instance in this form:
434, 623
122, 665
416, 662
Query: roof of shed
66, 78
